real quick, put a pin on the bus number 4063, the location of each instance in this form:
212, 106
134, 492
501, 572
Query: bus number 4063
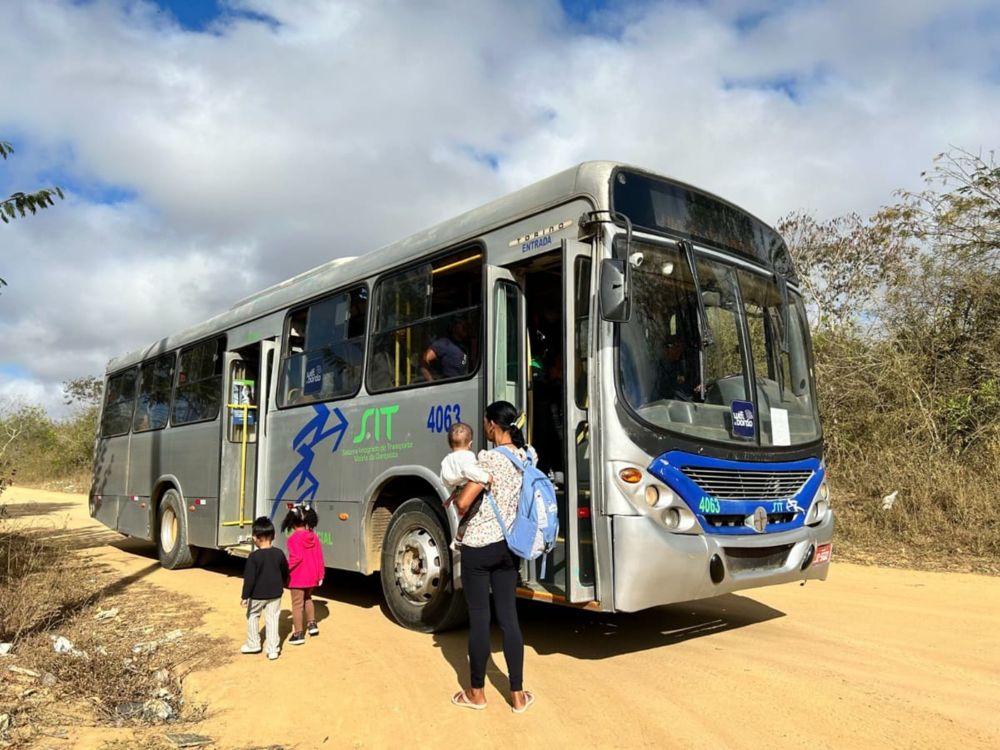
441, 417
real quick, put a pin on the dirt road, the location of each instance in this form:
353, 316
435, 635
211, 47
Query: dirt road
873, 657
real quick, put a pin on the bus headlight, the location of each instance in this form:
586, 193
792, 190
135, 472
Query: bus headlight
820, 505
659, 495
652, 495
671, 518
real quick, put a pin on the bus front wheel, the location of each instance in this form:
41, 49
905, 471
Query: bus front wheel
171, 533
416, 570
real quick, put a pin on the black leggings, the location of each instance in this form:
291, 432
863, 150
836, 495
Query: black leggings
483, 567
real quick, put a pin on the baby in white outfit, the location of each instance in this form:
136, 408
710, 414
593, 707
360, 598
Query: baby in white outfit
460, 467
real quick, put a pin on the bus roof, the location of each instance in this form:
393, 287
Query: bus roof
588, 179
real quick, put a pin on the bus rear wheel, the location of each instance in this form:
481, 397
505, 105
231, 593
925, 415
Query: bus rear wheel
416, 570
171, 533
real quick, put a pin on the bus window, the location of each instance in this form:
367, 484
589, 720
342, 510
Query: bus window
427, 323
786, 403
199, 383
507, 366
153, 406
243, 375
118, 403
324, 349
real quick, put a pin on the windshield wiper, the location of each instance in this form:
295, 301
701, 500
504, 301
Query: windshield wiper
785, 315
704, 329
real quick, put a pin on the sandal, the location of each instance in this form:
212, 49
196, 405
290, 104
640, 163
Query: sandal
461, 699
529, 698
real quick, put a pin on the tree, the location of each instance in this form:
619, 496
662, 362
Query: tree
846, 265
85, 390
20, 204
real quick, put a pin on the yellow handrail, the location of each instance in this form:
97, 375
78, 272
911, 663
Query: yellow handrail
243, 467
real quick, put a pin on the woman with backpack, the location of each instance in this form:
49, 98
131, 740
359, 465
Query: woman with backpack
487, 561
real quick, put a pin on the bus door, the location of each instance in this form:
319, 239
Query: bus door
507, 368
266, 394
577, 528
552, 363
245, 407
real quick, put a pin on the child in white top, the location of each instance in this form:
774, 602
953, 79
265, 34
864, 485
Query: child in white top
460, 467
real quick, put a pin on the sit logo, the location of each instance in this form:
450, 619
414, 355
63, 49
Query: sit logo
382, 418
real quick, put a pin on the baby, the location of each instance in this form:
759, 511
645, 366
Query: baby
459, 468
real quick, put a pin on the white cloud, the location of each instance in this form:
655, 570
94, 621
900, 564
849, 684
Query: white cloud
270, 149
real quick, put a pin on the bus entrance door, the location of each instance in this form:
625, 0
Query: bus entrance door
578, 530
244, 409
557, 309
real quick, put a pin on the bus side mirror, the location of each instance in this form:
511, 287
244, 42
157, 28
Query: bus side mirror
616, 307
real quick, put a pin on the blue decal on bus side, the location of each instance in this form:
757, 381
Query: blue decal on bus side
300, 480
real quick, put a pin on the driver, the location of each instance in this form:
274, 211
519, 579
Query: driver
675, 381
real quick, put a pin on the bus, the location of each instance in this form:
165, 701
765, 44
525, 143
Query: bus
654, 335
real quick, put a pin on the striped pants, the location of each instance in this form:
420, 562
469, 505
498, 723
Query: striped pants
272, 610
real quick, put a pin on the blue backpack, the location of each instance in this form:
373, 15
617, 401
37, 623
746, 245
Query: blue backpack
536, 524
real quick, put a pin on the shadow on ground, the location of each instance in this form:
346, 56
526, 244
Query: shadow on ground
587, 635
28, 510
547, 628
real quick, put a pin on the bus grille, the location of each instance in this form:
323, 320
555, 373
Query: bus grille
722, 520
756, 558
738, 484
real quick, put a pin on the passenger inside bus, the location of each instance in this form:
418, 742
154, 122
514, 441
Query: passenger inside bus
447, 356
547, 377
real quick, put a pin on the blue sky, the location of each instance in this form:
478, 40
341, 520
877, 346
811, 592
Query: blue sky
199, 15
210, 149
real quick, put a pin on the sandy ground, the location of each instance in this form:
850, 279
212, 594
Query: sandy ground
873, 657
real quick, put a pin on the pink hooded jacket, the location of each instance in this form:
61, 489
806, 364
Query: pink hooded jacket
305, 560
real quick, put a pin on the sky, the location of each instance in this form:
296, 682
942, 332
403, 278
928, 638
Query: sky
210, 149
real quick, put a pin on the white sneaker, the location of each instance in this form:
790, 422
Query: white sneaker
245, 649
273, 655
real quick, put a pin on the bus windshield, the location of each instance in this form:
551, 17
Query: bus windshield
671, 381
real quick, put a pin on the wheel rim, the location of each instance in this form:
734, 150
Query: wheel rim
168, 530
418, 566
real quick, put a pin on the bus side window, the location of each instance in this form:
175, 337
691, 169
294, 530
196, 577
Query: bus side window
153, 406
324, 349
198, 394
119, 403
427, 323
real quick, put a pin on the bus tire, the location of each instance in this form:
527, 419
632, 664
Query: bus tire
171, 533
416, 570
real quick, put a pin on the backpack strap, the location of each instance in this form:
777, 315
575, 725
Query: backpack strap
500, 522
513, 458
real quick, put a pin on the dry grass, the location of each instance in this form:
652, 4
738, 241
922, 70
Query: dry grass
944, 516
26, 563
47, 591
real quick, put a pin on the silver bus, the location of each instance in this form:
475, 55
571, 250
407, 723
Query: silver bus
653, 333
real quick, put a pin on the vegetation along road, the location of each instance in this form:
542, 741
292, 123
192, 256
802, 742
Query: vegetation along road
873, 657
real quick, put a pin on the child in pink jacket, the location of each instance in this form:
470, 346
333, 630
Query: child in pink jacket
306, 569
